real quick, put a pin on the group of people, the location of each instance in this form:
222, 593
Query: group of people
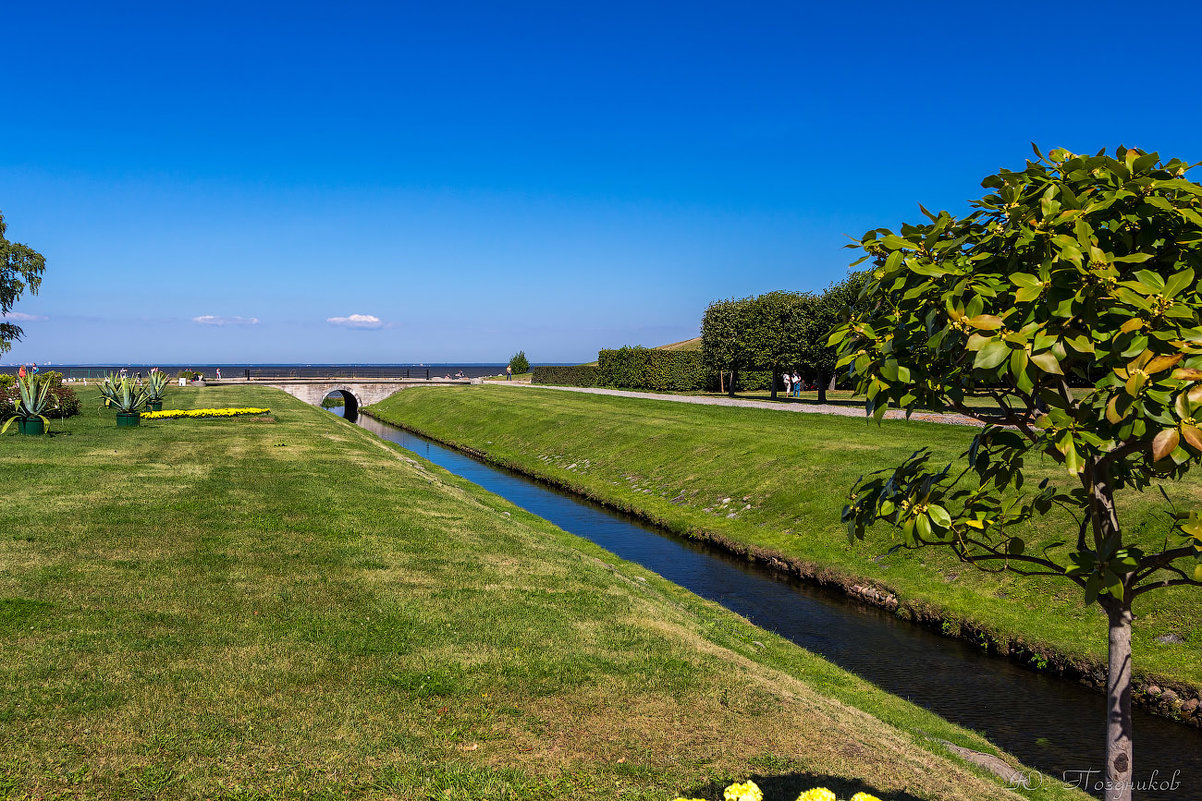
24, 371
793, 384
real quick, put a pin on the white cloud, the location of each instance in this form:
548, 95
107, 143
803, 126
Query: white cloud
212, 319
356, 321
23, 317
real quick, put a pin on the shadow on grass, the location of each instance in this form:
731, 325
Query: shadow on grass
787, 786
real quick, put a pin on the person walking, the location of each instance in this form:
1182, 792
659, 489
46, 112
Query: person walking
21, 372
35, 368
796, 384
787, 380
218, 373
509, 372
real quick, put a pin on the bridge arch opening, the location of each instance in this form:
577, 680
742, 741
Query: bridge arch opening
343, 403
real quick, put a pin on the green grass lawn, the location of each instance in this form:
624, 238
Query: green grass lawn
288, 607
778, 481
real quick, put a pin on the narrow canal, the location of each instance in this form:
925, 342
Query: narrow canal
1051, 724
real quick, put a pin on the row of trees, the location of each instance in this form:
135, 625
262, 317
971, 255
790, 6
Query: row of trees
777, 331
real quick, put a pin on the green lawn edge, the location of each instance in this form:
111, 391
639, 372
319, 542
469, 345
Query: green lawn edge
1042, 622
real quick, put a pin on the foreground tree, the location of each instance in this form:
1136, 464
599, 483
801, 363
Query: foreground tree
20, 269
1069, 296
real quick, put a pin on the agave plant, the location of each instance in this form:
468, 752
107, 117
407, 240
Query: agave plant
124, 394
156, 386
33, 396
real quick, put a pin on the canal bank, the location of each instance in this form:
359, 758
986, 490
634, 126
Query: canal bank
1048, 722
760, 477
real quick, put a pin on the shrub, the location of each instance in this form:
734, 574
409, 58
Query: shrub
583, 375
65, 403
519, 363
649, 368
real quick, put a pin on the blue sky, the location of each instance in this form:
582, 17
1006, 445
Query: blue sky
454, 181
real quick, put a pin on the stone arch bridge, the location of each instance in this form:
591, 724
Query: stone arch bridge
355, 392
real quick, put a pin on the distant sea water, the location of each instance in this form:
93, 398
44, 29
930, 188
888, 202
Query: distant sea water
433, 370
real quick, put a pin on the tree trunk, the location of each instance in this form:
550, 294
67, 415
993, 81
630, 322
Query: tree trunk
730, 388
721, 380
1118, 705
821, 388
775, 378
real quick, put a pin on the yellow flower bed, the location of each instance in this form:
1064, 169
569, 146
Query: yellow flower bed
169, 414
749, 791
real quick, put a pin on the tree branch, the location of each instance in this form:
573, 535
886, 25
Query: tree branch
1161, 561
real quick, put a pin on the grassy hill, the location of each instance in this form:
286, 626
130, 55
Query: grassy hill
687, 344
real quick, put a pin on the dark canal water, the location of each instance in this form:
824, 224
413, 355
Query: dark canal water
1051, 724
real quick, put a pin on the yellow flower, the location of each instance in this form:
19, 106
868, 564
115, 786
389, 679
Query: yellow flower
168, 414
864, 797
817, 794
748, 791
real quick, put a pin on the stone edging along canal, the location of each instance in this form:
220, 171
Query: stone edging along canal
1174, 700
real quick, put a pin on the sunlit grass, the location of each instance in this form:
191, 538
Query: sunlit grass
779, 481
287, 607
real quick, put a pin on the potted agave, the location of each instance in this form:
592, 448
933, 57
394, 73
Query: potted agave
33, 396
125, 395
156, 388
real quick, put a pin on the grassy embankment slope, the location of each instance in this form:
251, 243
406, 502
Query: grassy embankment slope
778, 481
287, 607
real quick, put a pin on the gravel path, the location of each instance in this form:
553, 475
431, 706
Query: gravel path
783, 406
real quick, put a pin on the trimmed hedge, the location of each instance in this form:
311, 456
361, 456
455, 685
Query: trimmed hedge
650, 368
753, 380
583, 375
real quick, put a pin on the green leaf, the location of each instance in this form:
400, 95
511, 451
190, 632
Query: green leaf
1018, 363
1113, 585
1092, 585
923, 523
939, 515
1016, 546
1072, 460
1178, 281
1047, 362
895, 242
986, 322
991, 355
1146, 277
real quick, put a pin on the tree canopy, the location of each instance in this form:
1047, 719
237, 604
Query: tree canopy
1069, 296
519, 363
777, 331
20, 268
